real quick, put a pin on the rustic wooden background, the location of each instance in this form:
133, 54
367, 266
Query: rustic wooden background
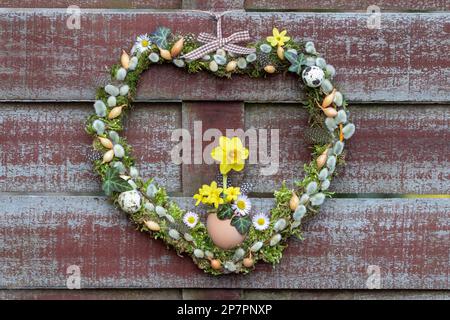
52, 212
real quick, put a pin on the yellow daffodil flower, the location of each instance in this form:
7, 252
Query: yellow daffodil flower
278, 38
231, 154
232, 193
209, 195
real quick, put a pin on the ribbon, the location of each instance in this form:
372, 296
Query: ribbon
212, 43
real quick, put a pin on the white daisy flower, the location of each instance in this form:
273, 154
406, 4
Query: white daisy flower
190, 219
260, 221
242, 205
143, 43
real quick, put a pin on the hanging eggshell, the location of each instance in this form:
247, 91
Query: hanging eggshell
190, 238
230, 266
330, 112
124, 90
238, 254
213, 66
251, 57
280, 53
152, 225
115, 112
177, 47
125, 59
280, 225
121, 74
328, 100
153, 57
121, 168
130, 201
99, 126
100, 108
293, 51
310, 62
108, 156
165, 54
112, 90
294, 202
269, 69
112, 101
105, 142
242, 63
174, 234
219, 59
231, 66
119, 151
149, 206
134, 173
248, 262
198, 253
313, 76
331, 162
133, 63
256, 246
348, 130
222, 233
206, 57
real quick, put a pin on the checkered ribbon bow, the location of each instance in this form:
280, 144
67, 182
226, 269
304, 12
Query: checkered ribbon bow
213, 43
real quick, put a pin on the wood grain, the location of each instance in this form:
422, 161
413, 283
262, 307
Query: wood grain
397, 149
385, 5
43, 148
40, 236
206, 115
401, 62
85, 4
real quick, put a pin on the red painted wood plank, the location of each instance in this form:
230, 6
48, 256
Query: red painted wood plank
205, 116
41, 236
43, 148
401, 62
396, 149
385, 5
84, 4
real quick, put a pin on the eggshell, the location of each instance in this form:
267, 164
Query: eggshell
222, 233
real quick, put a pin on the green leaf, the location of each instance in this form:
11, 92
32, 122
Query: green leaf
242, 224
114, 183
225, 212
160, 37
291, 56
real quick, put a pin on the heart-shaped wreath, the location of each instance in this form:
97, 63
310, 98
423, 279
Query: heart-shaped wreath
228, 237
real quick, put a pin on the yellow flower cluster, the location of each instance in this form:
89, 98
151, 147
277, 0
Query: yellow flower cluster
212, 195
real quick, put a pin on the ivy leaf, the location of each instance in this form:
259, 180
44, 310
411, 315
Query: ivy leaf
242, 224
225, 212
160, 37
296, 62
114, 183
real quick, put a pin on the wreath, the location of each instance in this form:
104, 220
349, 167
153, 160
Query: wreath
223, 235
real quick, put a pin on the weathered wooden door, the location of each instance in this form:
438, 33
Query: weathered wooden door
53, 214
